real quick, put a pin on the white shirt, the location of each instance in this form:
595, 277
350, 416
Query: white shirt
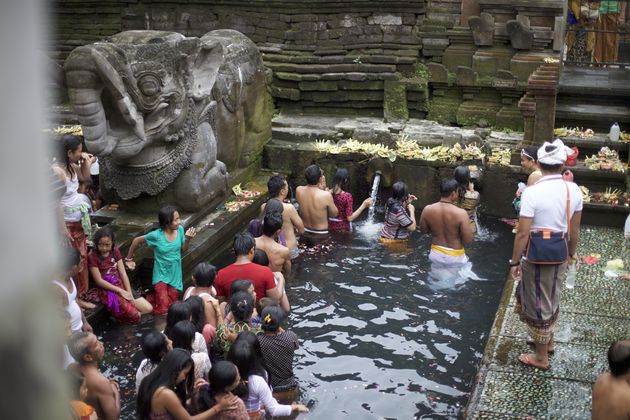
546, 202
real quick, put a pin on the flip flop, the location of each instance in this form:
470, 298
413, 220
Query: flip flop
525, 359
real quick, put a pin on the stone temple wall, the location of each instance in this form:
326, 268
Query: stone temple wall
396, 59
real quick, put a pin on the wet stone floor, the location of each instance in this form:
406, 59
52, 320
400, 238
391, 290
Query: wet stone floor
592, 315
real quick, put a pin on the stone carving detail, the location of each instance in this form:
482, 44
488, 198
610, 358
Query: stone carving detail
482, 29
520, 33
157, 107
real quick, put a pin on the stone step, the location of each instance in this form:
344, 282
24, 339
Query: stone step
588, 115
595, 82
298, 121
299, 134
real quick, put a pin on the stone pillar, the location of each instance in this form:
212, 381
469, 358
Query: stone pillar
543, 86
469, 8
527, 106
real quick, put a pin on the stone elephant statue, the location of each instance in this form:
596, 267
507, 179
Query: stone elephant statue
164, 112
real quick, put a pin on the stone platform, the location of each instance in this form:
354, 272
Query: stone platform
215, 231
593, 315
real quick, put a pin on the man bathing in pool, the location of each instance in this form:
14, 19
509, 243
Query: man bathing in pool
316, 204
448, 225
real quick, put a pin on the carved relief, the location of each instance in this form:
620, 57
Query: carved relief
152, 105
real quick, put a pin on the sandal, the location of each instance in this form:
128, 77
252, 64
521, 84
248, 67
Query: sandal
528, 360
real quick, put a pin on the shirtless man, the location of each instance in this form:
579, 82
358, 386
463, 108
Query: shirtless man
611, 391
316, 204
103, 394
279, 255
448, 225
291, 220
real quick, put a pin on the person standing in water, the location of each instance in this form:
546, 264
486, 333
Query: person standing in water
343, 201
168, 242
467, 198
400, 216
291, 221
316, 204
448, 225
72, 167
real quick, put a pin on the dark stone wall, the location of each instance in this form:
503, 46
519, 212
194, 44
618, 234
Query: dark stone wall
392, 59
325, 56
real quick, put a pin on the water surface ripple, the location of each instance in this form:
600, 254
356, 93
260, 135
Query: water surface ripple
378, 338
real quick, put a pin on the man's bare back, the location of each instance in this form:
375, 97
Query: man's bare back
316, 206
291, 223
448, 225
279, 255
611, 398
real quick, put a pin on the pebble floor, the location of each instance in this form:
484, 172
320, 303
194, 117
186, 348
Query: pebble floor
592, 315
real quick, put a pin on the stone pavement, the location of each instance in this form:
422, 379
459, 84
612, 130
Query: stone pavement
593, 315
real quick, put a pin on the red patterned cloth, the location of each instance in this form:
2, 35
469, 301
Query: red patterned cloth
79, 242
343, 201
162, 298
123, 310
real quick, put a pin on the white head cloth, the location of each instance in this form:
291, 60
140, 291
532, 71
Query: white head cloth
556, 156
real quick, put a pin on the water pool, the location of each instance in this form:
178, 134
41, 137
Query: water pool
378, 338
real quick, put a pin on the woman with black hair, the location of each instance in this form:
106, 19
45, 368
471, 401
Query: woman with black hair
183, 335
242, 310
163, 394
155, 345
245, 353
400, 217
278, 347
72, 166
468, 198
222, 380
180, 311
168, 243
343, 201
114, 290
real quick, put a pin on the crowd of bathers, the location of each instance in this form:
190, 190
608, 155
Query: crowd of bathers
224, 351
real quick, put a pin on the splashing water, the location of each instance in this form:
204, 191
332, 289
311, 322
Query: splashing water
375, 184
483, 234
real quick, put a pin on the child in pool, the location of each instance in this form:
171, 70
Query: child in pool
203, 277
106, 266
168, 242
242, 309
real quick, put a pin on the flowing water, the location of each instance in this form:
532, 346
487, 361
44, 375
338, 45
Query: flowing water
379, 338
373, 196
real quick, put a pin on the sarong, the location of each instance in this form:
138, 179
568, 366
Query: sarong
312, 237
606, 43
79, 242
396, 245
447, 256
162, 298
123, 310
450, 268
538, 298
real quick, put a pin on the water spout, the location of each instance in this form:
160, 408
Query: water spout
373, 194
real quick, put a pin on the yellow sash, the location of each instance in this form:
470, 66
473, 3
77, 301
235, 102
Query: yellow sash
448, 251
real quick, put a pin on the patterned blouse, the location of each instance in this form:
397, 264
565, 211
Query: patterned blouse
343, 201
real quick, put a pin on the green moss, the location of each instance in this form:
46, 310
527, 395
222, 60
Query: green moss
451, 78
422, 72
